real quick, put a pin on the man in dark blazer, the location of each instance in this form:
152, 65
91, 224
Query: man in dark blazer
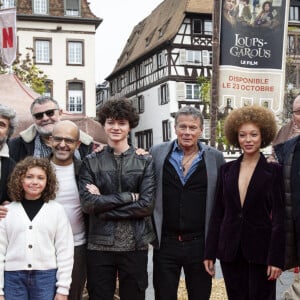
8, 124
186, 172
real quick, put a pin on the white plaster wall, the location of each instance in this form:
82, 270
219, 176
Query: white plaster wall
58, 71
154, 114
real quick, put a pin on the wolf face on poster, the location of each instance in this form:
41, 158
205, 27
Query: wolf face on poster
252, 33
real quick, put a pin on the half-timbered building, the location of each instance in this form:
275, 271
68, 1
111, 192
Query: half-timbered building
160, 63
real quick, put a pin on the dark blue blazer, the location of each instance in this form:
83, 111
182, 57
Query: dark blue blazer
257, 227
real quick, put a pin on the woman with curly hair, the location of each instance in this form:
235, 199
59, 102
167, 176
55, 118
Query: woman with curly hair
246, 231
36, 241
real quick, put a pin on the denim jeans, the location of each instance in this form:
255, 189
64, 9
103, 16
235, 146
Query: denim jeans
30, 285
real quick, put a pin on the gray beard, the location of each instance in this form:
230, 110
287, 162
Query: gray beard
42, 132
3, 142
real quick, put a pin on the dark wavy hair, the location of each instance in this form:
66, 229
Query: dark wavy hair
120, 109
262, 117
15, 187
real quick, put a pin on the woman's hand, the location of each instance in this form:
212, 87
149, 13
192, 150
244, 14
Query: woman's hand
273, 272
3, 211
209, 267
60, 297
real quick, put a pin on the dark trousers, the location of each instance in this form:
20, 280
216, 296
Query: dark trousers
247, 281
103, 267
168, 261
78, 273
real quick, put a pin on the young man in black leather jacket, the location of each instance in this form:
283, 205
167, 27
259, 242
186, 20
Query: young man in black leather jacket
117, 190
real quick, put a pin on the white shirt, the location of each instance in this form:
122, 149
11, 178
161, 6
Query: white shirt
44, 243
68, 196
4, 152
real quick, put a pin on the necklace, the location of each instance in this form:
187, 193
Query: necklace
183, 164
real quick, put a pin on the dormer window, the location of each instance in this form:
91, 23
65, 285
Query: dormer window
72, 8
40, 7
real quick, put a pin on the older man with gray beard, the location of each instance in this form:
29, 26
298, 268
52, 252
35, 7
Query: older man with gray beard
8, 124
35, 140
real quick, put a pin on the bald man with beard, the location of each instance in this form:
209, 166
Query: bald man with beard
64, 142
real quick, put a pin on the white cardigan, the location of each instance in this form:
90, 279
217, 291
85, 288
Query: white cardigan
44, 243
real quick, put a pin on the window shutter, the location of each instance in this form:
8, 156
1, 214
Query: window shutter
167, 93
180, 91
154, 62
205, 57
182, 56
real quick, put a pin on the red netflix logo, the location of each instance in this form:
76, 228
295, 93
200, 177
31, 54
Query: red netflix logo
7, 37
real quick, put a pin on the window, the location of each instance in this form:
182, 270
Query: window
40, 7
132, 76
42, 51
291, 44
192, 91
163, 94
48, 88
197, 26
75, 53
202, 27
7, 4
193, 57
208, 27
166, 127
294, 13
75, 97
72, 8
139, 104
144, 139
161, 59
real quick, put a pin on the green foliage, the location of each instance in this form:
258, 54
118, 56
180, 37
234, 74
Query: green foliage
27, 72
205, 86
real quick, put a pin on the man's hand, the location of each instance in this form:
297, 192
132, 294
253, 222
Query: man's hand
93, 189
273, 272
141, 151
98, 147
272, 159
2, 297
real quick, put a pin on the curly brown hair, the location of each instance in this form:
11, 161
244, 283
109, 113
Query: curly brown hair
120, 109
15, 186
262, 117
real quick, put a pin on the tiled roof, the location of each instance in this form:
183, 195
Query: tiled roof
159, 27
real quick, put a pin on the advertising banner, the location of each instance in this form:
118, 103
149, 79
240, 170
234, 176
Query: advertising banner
253, 35
8, 39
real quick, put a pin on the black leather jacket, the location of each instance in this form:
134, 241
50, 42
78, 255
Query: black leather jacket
116, 182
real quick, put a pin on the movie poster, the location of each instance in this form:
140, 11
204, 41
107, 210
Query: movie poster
252, 53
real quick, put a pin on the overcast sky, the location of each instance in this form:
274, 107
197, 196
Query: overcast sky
119, 18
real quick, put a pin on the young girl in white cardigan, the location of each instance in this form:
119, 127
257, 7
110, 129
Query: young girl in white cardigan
36, 241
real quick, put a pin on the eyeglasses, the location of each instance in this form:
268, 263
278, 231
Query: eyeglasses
296, 112
49, 113
59, 139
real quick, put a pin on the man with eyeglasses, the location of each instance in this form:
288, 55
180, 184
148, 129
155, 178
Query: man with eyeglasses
64, 142
35, 140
